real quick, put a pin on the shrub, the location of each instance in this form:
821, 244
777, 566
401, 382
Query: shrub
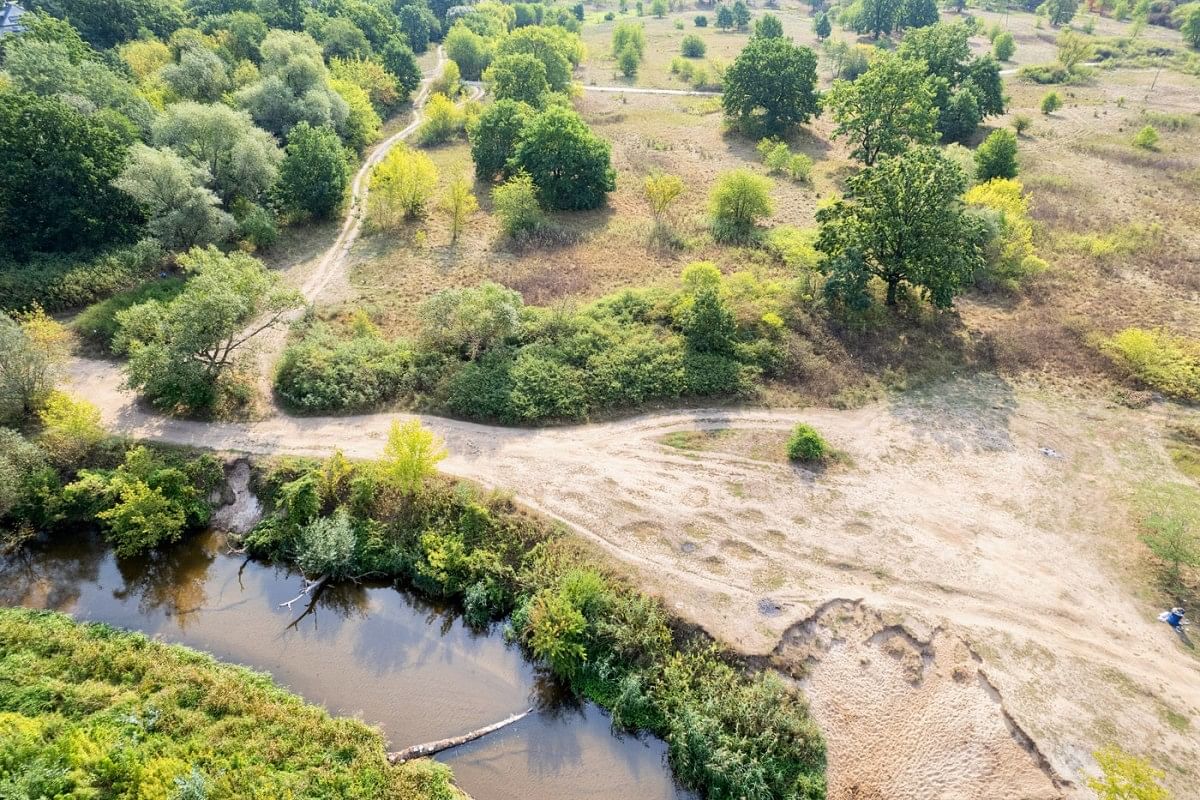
70, 428
805, 444
1146, 138
700, 20
97, 324
326, 547
443, 120
1003, 46
256, 226
401, 186
693, 46
58, 283
737, 203
516, 204
627, 61
322, 372
1163, 362
1021, 123
411, 455
997, 156
1051, 103
1009, 254
1126, 777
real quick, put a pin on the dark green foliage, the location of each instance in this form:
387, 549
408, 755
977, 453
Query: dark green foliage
701, 21
768, 27
969, 89
323, 372
806, 444
960, 116
568, 163
918, 13
877, 17
519, 77
708, 323
731, 734
997, 156
692, 46
821, 26
741, 14
97, 324
902, 222
106, 23
315, 173
398, 59
1059, 12
415, 23
724, 17
60, 282
56, 192
771, 86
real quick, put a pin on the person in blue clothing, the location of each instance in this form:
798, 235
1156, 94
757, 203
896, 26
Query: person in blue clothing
1174, 617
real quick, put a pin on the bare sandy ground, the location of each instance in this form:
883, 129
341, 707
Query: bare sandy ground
954, 595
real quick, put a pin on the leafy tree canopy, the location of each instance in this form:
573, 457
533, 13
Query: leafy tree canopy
888, 107
567, 161
771, 85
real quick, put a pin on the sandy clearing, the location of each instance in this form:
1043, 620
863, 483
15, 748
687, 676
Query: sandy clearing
949, 518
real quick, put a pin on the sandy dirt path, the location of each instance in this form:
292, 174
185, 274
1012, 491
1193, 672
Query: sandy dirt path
954, 590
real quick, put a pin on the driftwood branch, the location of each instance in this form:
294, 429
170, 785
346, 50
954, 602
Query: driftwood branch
429, 748
309, 586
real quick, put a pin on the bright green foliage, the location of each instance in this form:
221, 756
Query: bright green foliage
738, 202
568, 163
997, 156
1073, 49
516, 204
443, 120
693, 46
362, 124
778, 158
886, 109
628, 61
1187, 17
315, 173
32, 350
105, 23
1004, 46
1059, 12
70, 428
369, 74
553, 49
659, 8
97, 324
771, 86
806, 444
1021, 123
768, 27
902, 221
325, 547
555, 633
1126, 777
459, 203
148, 500
469, 50
918, 13
1009, 252
629, 34
23, 476
1146, 138
411, 455
1158, 359
165, 721
401, 186
1175, 544
1051, 103
520, 77
324, 372
494, 136
178, 350
84, 209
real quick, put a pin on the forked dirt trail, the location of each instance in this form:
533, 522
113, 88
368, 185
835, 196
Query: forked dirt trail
951, 595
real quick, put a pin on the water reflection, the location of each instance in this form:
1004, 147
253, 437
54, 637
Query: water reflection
408, 665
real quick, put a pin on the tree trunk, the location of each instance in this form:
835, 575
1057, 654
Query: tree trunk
429, 748
891, 292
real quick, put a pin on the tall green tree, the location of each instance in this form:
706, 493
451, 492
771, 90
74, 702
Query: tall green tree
56, 185
181, 212
902, 221
741, 15
821, 26
494, 136
179, 349
1059, 12
107, 23
771, 86
918, 13
315, 172
567, 161
242, 160
548, 47
724, 17
887, 108
520, 77
768, 26
878, 17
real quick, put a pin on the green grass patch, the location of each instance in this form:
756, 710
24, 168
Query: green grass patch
96, 325
90, 711
696, 440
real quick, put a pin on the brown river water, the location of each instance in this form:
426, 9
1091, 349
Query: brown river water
375, 652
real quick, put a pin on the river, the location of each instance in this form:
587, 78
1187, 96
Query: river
371, 651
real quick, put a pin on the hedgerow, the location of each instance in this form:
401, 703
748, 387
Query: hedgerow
61, 282
482, 354
732, 733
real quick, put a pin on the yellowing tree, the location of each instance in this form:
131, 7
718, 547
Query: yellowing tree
459, 203
1126, 777
401, 187
411, 455
662, 190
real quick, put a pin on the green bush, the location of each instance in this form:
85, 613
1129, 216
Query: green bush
693, 46
997, 156
1146, 138
700, 21
516, 204
1051, 103
1045, 73
61, 282
163, 720
323, 372
97, 324
805, 444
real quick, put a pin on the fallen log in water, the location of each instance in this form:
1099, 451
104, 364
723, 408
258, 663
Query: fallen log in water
309, 586
429, 748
